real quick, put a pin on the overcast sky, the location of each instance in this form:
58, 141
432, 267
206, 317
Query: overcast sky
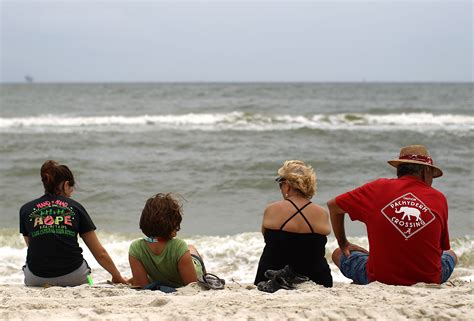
98, 41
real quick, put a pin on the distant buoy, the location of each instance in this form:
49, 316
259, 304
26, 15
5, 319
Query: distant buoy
29, 79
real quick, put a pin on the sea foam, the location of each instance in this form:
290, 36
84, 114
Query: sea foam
234, 257
239, 121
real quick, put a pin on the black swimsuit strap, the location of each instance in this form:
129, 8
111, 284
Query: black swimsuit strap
297, 212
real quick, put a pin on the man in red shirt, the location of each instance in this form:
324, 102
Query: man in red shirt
407, 226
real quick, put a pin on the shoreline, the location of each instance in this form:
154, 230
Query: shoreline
239, 301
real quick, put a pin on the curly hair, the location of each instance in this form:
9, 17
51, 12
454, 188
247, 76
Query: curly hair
53, 175
299, 176
161, 216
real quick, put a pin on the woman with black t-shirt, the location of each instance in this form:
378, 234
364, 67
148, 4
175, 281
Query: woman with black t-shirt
50, 225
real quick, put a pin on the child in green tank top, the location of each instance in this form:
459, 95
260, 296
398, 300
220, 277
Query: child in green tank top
159, 256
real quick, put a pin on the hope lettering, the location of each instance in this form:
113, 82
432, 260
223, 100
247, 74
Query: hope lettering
49, 220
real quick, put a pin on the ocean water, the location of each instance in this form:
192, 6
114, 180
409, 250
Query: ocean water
219, 146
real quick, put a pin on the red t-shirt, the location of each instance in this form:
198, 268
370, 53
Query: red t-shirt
407, 228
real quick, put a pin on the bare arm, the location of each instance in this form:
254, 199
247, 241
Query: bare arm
186, 268
27, 240
263, 221
337, 220
337, 215
140, 277
322, 222
101, 255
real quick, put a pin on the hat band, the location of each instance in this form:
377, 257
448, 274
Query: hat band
420, 158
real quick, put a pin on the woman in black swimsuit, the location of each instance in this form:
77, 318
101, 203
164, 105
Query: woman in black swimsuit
294, 228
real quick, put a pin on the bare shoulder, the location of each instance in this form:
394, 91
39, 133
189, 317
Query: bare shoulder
274, 206
272, 214
320, 219
319, 209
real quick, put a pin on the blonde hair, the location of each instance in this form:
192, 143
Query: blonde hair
299, 176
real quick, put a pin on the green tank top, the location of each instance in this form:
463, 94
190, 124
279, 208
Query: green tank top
162, 267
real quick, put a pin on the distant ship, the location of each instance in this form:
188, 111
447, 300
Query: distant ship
29, 79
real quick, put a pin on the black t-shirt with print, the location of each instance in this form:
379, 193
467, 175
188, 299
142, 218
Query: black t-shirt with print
52, 223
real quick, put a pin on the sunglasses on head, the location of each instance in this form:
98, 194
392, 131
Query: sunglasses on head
280, 180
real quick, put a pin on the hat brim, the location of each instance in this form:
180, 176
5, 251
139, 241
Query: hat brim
437, 172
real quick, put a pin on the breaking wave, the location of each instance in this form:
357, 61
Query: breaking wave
240, 121
233, 257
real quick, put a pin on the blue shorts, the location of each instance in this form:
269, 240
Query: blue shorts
354, 266
447, 266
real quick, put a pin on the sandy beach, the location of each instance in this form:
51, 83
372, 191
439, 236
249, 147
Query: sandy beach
451, 301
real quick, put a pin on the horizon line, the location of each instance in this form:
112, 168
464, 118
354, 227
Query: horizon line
244, 82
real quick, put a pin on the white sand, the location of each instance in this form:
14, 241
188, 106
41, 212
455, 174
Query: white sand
454, 301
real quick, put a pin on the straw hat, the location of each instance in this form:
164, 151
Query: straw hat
416, 154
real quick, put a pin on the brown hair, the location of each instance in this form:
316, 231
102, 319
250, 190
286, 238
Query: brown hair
161, 216
53, 175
